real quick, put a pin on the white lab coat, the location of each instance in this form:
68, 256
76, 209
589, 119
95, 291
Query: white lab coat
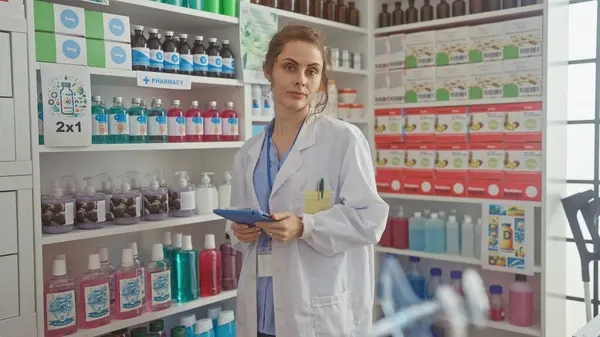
323, 282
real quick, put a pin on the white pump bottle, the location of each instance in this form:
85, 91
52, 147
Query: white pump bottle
224, 191
205, 196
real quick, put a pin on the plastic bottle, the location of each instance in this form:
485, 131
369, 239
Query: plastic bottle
140, 331
118, 123
388, 233
210, 268
213, 6
442, 216
109, 270
157, 56
155, 201
70, 188
204, 328
178, 331
177, 244
228, 61
427, 213
228, 267
188, 322
140, 53
215, 63
138, 122
170, 49
90, 212
213, 314
456, 281
521, 302
239, 261
224, 191
229, 7
60, 317
415, 278
176, 123
226, 324
204, 195
416, 232
182, 196
230, 124
158, 281
453, 236
157, 326
256, 100
157, 123
467, 235
186, 278
496, 303
128, 286
434, 282
194, 127
478, 238
99, 121
186, 58
134, 179
267, 101
40, 111
126, 203
94, 294
212, 123
332, 102
400, 230
138, 264
200, 57
58, 211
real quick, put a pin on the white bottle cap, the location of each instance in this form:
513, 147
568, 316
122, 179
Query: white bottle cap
126, 257
212, 40
157, 252
138, 27
468, 218
400, 213
61, 257
188, 320
178, 240
479, 222
209, 241
89, 186
225, 317
452, 218
227, 178
167, 239
57, 192
103, 254
213, 313
229, 105
182, 177
183, 36
434, 215
187, 243
59, 268
202, 326
133, 246
225, 41
93, 262
442, 213
418, 214
169, 33
199, 38
153, 31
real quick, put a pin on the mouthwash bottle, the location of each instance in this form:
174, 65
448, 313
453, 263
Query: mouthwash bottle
186, 59
200, 57
99, 121
158, 281
186, 278
171, 50
140, 54
118, 123
157, 122
140, 266
229, 7
212, 6
230, 128
453, 236
60, 317
210, 268
194, 4
435, 236
167, 246
228, 61
109, 270
177, 245
176, 123
212, 123
40, 111
94, 293
416, 232
415, 278
128, 294
194, 126
215, 63
157, 56
138, 122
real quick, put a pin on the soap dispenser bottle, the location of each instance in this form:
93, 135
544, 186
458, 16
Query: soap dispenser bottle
205, 196
210, 268
224, 191
94, 293
57, 211
126, 203
161, 179
156, 201
90, 207
134, 177
186, 278
70, 185
107, 191
59, 292
182, 196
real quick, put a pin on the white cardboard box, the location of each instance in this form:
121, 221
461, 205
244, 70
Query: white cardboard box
523, 77
524, 37
487, 42
382, 54
397, 51
486, 80
452, 83
397, 89
382, 87
420, 85
420, 49
452, 46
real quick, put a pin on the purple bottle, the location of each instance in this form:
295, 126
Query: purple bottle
57, 211
90, 207
230, 281
126, 204
156, 201
239, 259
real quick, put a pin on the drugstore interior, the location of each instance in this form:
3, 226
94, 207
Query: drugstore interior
463, 104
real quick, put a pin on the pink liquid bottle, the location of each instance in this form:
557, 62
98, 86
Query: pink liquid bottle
60, 317
212, 123
400, 230
229, 266
386, 237
496, 303
194, 127
210, 268
109, 270
230, 125
521, 302
175, 123
94, 295
158, 281
128, 290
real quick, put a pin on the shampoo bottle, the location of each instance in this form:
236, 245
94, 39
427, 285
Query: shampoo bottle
107, 191
521, 302
90, 207
435, 236
204, 328
213, 314
134, 178
228, 268
177, 245
400, 230
60, 318
57, 211
94, 294
126, 203
210, 268
212, 123
162, 182
186, 279
416, 232
205, 195
453, 236
226, 324
128, 281
140, 266
224, 191
156, 201
158, 281
176, 123
194, 127
118, 123
467, 235
182, 196
70, 185
109, 270
157, 123
99, 121
188, 322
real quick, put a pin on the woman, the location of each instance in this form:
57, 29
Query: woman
311, 272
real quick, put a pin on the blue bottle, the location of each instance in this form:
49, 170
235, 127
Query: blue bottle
442, 216
416, 232
435, 235
118, 123
188, 321
186, 274
213, 314
434, 282
177, 243
415, 278
453, 236
225, 324
204, 328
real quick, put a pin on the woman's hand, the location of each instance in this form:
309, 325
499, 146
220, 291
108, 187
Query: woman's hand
286, 227
244, 233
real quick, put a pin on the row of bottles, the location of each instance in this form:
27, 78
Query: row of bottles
325, 9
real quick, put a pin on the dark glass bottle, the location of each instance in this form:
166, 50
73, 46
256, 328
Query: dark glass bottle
492, 5
506, 4
459, 8
341, 12
385, 18
286, 5
411, 14
316, 8
528, 2
171, 53
140, 52
475, 6
200, 57
397, 14
442, 10
227, 61
270, 3
353, 14
427, 11
214, 59
186, 58
329, 10
301, 7
156, 51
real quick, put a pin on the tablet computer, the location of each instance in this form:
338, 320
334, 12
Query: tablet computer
244, 216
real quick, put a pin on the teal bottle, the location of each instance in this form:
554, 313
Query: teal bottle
118, 123
186, 273
213, 6
157, 123
174, 2
99, 121
177, 242
138, 122
195, 4
435, 235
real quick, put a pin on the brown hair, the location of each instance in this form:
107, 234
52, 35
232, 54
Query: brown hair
306, 34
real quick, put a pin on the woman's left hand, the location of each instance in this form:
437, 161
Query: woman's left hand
286, 227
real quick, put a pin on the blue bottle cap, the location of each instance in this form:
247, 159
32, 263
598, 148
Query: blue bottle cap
456, 274
413, 259
435, 272
496, 289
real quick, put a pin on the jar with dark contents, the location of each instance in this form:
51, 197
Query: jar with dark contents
90, 208
353, 14
492, 5
397, 14
427, 11
411, 14
475, 6
442, 10
341, 12
316, 8
302, 7
156, 202
459, 8
385, 18
329, 10
286, 5
126, 207
57, 214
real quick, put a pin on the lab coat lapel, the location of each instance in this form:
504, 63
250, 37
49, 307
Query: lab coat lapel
254, 155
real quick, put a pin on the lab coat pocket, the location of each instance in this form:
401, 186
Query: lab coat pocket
332, 315
311, 202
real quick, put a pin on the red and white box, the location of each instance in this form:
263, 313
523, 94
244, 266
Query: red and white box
419, 126
419, 160
523, 123
486, 161
388, 181
450, 187
417, 185
523, 171
451, 124
486, 123
389, 124
488, 189
390, 157
451, 168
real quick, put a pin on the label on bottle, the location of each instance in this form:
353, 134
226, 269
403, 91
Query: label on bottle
130, 294
143, 284
194, 126
157, 58
111, 288
186, 62
157, 125
215, 64
200, 62
171, 61
140, 56
40, 122
84, 211
161, 287
187, 200
138, 206
97, 302
255, 103
100, 125
138, 126
212, 126
230, 126
69, 214
118, 124
228, 66
60, 310
267, 103
176, 126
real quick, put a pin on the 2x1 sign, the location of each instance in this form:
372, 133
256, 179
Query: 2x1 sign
163, 81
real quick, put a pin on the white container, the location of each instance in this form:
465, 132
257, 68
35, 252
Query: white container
357, 111
205, 196
335, 58
347, 95
267, 101
332, 102
344, 110
224, 191
256, 100
346, 59
467, 234
357, 61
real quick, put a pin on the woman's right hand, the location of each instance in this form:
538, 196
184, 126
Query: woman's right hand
245, 233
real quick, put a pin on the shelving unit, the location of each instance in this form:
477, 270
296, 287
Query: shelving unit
142, 147
462, 103
506, 326
435, 198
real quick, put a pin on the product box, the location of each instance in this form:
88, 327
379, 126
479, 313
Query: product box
452, 46
382, 53
419, 125
397, 51
60, 19
109, 27
486, 123
487, 42
523, 122
106, 54
523, 77
524, 37
388, 182
486, 80
452, 83
397, 88
382, 88
417, 185
450, 187
64, 49
420, 49
389, 157
486, 160
420, 85
489, 189
451, 160
523, 171
388, 125
451, 124
419, 160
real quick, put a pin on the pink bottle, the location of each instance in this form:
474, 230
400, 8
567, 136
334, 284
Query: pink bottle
400, 230
230, 125
239, 260
229, 267
60, 304
386, 237
175, 123
210, 268
109, 270
521, 302
212, 123
158, 281
194, 127
496, 303
94, 295
128, 290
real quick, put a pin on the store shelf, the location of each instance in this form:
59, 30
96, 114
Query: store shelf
506, 326
143, 147
261, 119
49, 239
428, 198
462, 103
176, 308
471, 20
350, 71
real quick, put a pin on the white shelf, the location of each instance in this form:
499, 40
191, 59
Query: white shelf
144, 147
472, 19
355, 121
261, 119
176, 308
351, 71
78, 234
428, 198
506, 326
13, 24
462, 103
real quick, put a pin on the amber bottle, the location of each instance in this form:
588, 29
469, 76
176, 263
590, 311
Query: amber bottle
528, 2
385, 18
286, 5
353, 14
316, 8
427, 11
255, 1
341, 12
442, 10
397, 14
411, 14
475, 6
329, 10
506, 4
492, 5
301, 7
270, 3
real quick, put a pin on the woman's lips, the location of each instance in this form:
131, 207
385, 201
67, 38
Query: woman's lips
297, 94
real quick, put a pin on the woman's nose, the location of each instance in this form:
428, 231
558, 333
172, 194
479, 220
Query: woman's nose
301, 80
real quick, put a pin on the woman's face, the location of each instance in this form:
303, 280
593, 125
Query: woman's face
296, 75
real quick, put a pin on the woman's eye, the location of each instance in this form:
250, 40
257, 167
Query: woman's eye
288, 68
313, 72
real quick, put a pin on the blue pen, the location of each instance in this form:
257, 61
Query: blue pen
321, 187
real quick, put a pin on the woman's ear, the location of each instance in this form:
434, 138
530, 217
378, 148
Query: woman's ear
268, 76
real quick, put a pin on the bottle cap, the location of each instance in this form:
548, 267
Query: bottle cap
70, 185
126, 257
160, 178
103, 252
175, 38
209, 241
156, 102
452, 218
225, 317
106, 186
225, 41
212, 40
212, 104
496, 289
435, 272
400, 213
434, 215
157, 325
227, 178
57, 192
520, 278
178, 331
417, 214
199, 38
183, 36
456, 274
414, 259
229, 105
154, 185
59, 268
479, 222
169, 33
167, 239
135, 179
93, 262
182, 178
153, 31
188, 320
89, 186
61, 257
442, 214
202, 326
134, 250
138, 27
125, 187
187, 243
157, 252
426, 211
194, 104
468, 219
205, 180
213, 313
178, 240
118, 99
139, 332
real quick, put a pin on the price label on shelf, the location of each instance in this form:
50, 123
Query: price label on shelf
163, 80
67, 104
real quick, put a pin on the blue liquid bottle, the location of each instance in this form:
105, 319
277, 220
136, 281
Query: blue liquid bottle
177, 244
453, 236
435, 235
99, 121
186, 278
118, 123
415, 278
434, 282
416, 232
